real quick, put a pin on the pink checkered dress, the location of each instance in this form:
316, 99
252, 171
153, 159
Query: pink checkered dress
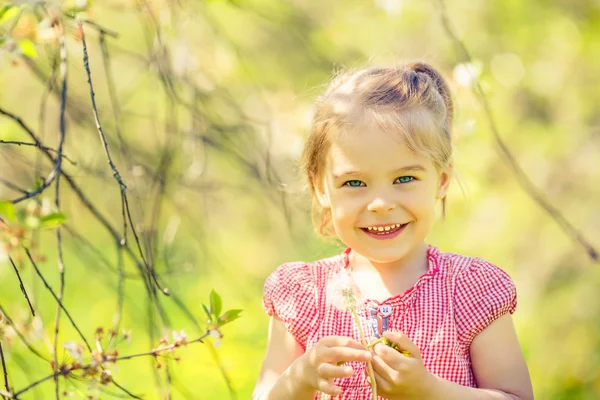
448, 306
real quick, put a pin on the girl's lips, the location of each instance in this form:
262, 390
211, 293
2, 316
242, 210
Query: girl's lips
392, 233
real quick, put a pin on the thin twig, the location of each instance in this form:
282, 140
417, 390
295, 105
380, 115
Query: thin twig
56, 171
126, 391
17, 143
20, 335
102, 30
39, 273
67, 370
12, 186
22, 286
34, 384
61, 265
505, 152
4, 369
123, 148
117, 176
79, 192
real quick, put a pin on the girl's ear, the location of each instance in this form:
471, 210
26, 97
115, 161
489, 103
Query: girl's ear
444, 182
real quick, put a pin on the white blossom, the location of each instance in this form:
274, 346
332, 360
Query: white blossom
75, 350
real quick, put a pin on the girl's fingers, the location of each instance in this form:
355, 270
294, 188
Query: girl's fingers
341, 341
335, 354
330, 371
403, 343
382, 369
328, 387
390, 356
382, 384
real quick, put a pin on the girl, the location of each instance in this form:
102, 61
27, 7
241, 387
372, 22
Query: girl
378, 159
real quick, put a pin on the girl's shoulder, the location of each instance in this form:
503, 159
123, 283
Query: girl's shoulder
313, 273
463, 269
291, 293
481, 292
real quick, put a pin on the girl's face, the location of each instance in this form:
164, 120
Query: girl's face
381, 194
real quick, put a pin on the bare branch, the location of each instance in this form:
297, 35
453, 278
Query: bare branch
4, 369
61, 266
20, 335
14, 142
66, 370
12, 186
505, 152
117, 176
22, 286
39, 273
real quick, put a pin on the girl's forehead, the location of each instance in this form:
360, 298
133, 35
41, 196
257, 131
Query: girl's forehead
372, 148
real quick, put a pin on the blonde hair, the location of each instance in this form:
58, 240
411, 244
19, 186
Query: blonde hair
413, 100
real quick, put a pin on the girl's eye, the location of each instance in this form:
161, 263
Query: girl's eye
354, 183
405, 179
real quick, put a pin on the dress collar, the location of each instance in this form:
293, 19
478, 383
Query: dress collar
433, 267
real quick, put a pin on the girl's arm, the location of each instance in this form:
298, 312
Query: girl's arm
498, 365
276, 379
290, 373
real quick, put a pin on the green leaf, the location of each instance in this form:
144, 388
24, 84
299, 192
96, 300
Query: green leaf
28, 48
8, 12
7, 209
52, 220
206, 310
215, 304
229, 316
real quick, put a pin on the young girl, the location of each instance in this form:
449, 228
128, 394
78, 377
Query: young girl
378, 159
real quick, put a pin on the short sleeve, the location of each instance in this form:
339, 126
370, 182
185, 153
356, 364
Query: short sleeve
290, 295
483, 293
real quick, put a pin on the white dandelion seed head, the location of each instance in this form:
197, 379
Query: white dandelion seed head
343, 293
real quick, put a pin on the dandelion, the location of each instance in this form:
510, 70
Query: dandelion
344, 294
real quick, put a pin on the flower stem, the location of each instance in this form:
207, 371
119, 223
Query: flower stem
364, 343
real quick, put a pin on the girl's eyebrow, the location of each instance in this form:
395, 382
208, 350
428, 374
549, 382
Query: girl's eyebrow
415, 167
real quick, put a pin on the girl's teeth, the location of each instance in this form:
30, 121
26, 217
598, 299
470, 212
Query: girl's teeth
383, 228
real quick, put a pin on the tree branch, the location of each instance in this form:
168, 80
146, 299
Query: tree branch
152, 276
66, 370
14, 142
39, 273
4, 369
505, 152
22, 286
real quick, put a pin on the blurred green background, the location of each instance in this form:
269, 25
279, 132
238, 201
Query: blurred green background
214, 100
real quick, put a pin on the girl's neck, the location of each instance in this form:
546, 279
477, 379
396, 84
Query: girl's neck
415, 262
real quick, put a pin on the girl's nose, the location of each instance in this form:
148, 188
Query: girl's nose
381, 205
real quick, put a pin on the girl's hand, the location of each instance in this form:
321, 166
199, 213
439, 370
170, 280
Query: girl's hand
319, 365
399, 376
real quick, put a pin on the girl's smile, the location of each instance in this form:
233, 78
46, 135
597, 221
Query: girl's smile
384, 232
